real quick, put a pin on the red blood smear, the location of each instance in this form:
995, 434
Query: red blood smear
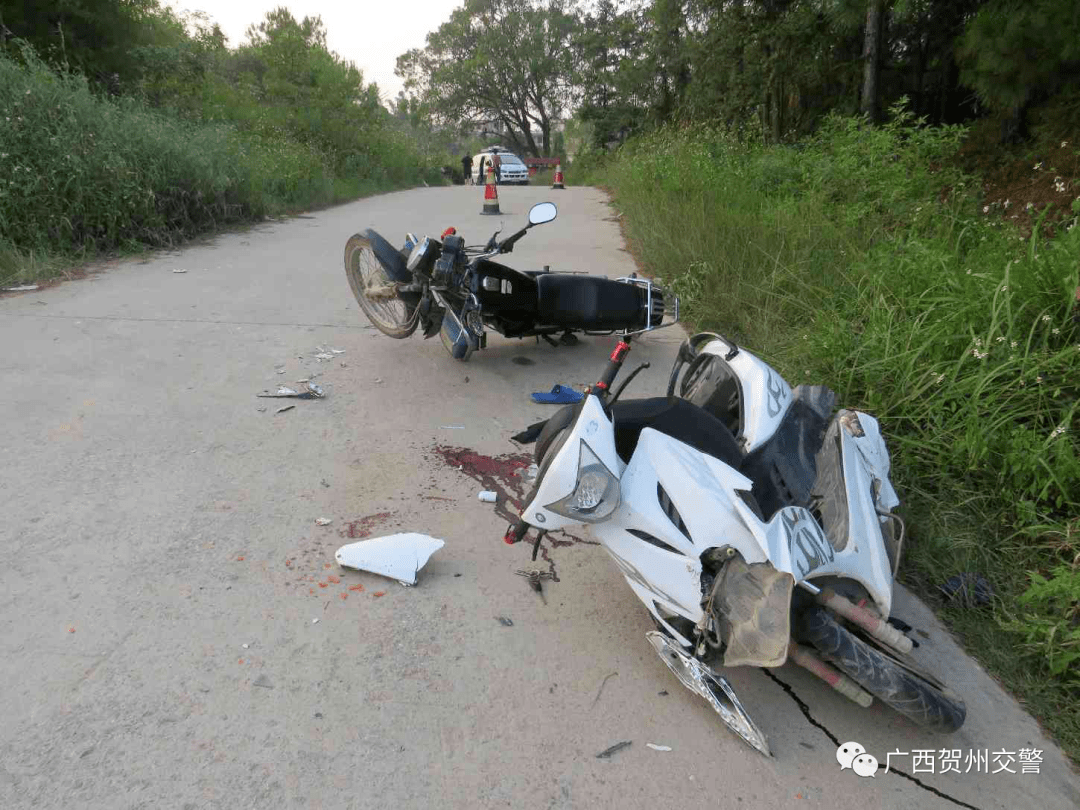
358, 529
503, 468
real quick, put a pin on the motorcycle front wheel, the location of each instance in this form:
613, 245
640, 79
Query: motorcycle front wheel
374, 289
898, 686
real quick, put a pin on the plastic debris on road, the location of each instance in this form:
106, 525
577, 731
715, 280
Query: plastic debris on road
22, 288
655, 747
283, 391
397, 556
179, 271
487, 496
284, 408
323, 521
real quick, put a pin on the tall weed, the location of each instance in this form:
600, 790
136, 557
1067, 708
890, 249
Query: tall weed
81, 174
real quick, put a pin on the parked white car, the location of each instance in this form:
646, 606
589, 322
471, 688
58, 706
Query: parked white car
511, 169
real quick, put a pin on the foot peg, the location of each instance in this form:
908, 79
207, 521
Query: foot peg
699, 678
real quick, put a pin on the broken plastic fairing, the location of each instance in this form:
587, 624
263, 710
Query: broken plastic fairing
398, 556
698, 678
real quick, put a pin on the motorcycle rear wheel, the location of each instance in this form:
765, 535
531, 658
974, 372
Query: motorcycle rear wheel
374, 288
882, 675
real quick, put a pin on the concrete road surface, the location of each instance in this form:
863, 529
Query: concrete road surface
176, 633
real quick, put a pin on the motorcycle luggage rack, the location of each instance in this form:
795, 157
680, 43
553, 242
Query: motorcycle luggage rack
662, 300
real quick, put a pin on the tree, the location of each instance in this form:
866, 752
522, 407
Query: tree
614, 73
874, 12
1015, 50
497, 62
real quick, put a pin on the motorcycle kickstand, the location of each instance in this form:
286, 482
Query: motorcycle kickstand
699, 678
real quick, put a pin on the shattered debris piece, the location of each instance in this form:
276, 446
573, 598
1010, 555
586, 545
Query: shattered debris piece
619, 746
283, 391
655, 747
505, 621
398, 556
22, 288
261, 410
377, 594
357, 587
314, 621
451, 427
969, 589
263, 681
487, 496
286, 408
324, 356
179, 271
323, 521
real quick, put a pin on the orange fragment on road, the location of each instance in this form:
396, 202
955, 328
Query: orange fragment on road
71, 629
240, 661
239, 559
326, 565
356, 587
323, 584
377, 594
344, 596
311, 590
332, 578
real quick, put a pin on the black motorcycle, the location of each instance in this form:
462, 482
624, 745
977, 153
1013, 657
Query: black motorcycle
455, 290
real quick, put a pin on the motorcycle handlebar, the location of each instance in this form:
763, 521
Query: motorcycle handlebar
614, 364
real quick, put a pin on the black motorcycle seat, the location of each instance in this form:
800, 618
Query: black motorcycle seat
677, 418
587, 302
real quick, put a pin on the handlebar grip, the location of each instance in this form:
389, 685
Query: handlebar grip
515, 532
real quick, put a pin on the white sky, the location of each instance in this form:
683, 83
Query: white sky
369, 33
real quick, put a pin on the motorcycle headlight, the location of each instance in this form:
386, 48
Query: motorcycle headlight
596, 491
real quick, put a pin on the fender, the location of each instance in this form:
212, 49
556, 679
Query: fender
392, 260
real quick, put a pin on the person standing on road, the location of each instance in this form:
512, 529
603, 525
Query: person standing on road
496, 161
466, 170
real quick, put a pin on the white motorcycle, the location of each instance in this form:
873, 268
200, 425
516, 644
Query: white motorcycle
753, 525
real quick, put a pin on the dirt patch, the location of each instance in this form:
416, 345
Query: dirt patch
359, 529
1018, 186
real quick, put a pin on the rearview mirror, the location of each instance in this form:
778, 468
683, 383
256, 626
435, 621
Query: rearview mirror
542, 212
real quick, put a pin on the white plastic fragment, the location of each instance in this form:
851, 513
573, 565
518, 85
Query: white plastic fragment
285, 408
322, 521
22, 288
655, 747
398, 556
179, 271
314, 621
487, 496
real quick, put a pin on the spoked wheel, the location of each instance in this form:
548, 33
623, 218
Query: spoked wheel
917, 695
374, 288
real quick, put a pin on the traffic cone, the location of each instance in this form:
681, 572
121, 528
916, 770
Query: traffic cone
558, 177
491, 193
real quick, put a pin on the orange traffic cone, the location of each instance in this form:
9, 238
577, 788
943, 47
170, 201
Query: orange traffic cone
558, 177
491, 193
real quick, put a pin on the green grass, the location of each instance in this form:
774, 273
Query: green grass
83, 175
842, 261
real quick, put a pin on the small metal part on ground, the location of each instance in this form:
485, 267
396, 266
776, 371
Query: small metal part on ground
619, 746
504, 621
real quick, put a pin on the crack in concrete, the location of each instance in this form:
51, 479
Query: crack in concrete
805, 709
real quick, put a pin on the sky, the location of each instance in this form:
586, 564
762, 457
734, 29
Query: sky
369, 33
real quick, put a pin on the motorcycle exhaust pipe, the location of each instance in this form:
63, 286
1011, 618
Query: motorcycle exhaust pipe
872, 624
832, 676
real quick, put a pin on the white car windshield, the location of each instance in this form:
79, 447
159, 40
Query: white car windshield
510, 160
